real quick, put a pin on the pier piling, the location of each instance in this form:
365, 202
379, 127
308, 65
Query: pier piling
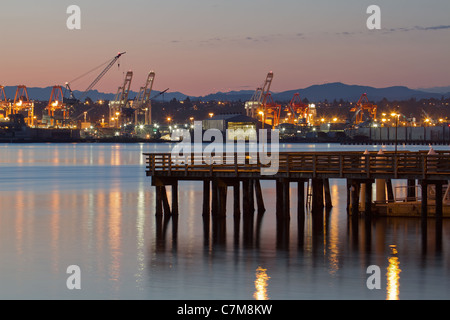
301, 167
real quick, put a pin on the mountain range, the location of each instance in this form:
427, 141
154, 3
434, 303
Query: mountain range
328, 91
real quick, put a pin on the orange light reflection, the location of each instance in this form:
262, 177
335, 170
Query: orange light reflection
393, 276
261, 284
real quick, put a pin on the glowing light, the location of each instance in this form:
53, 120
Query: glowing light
393, 276
261, 284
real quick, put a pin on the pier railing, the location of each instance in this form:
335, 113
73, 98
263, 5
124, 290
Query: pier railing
401, 165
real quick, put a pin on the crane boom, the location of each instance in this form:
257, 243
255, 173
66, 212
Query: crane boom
113, 61
72, 98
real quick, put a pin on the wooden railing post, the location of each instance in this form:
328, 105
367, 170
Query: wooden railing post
424, 166
395, 166
288, 165
170, 162
151, 159
367, 165
314, 166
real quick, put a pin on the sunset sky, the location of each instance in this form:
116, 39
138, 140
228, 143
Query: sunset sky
204, 46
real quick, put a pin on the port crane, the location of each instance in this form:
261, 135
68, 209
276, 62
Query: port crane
271, 111
119, 113
300, 111
5, 106
362, 107
72, 100
23, 105
142, 101
258, 100
57, 110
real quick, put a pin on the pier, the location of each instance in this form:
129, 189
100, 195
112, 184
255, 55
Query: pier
311, 171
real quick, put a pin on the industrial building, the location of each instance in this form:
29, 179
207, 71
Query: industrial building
409, 135
234, 126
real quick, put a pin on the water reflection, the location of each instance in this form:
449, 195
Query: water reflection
261, 284
93, 210
393, 275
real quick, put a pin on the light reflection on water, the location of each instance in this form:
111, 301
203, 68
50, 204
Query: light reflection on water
393, 275
93, 206
261, 284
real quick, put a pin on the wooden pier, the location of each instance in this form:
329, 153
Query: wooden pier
243, 172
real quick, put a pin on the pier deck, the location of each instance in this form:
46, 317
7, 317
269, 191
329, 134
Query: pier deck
360, 170
304, 165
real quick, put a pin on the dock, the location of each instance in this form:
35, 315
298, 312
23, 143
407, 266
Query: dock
243, 172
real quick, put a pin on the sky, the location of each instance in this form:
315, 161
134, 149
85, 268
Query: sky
199, 47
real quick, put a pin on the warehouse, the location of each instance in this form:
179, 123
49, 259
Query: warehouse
234, 126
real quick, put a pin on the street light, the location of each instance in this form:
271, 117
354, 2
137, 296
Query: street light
262, 118
263, 131
397, 116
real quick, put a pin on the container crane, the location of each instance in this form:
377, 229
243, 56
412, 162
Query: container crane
362, 107
142, 101
5, 106
23, 105
259, 97
300, 110
118, 113
57, 110
271, 111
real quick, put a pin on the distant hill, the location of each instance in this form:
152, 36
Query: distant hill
337, 90
43, 94
442, 90
331, 91
328, 91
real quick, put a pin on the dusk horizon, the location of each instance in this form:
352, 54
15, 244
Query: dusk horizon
204, 47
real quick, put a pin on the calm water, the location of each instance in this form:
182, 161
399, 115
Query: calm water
91, 205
